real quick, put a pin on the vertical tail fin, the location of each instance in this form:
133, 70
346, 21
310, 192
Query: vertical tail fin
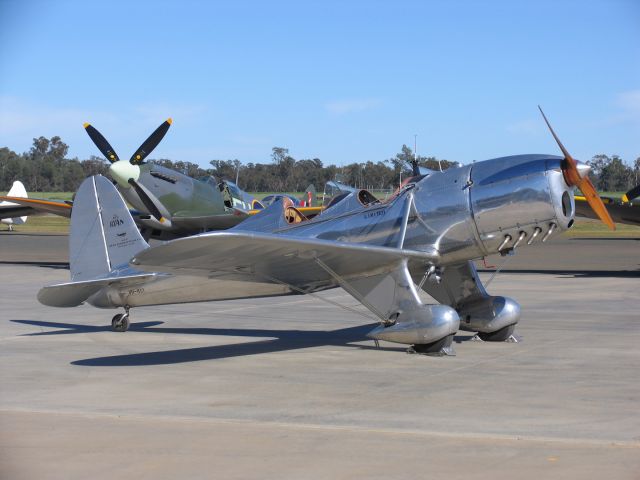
103, 235
17, 190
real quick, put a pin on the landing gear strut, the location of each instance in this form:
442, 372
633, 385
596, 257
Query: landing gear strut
120, 322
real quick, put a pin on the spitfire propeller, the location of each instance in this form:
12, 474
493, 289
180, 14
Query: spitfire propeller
127, 173
575, 178
631, 194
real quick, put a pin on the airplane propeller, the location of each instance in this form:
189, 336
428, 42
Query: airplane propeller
574, 178
127, 173
631, 194
153, 205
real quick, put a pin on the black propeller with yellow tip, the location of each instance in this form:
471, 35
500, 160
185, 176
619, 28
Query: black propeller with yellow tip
105, 148
631, 194
141, 153
574, 179
154, 207
126, 174
150, 143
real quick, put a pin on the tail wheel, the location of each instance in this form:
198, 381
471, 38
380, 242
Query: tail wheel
120, 322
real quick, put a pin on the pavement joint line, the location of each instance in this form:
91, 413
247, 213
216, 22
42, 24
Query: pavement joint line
627, 444
246, 307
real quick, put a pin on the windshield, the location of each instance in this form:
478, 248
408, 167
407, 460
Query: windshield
208, 179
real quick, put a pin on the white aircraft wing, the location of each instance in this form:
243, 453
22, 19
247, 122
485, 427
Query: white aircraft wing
261, 257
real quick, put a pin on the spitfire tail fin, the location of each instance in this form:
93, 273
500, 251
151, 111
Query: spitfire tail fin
103, 235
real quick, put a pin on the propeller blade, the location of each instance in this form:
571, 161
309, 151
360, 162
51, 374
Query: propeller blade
595, 202
571, 174
105, 148
150, 143
149, 202
631, 194
573, 179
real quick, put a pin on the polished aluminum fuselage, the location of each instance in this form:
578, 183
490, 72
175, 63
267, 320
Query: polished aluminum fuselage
461, 214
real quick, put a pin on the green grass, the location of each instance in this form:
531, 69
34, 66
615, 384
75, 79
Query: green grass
261, 195
42, 224
62, 196
617, 195
587, 228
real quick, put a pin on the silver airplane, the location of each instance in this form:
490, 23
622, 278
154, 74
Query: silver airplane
383, 254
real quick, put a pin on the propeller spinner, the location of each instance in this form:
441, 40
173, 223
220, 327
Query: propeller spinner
577, 176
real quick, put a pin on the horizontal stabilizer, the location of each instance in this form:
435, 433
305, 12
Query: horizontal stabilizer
73, 294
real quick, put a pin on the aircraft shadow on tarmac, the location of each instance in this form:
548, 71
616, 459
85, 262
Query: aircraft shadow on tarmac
55, 265
607, 239
284, 340
573, 273
31, 234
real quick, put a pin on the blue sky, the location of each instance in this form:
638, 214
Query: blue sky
342, 81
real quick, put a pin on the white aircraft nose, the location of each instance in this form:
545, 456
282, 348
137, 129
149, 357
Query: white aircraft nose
121, 171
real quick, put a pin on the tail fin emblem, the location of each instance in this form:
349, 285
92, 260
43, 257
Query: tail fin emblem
116, 221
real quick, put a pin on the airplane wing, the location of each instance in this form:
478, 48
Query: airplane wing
621, 212
261, 257
13, 211
33, 206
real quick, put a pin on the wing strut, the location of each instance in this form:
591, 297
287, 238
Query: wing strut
352, 291
313, 294
409, 205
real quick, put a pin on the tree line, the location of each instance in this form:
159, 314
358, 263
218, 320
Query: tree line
46, 168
